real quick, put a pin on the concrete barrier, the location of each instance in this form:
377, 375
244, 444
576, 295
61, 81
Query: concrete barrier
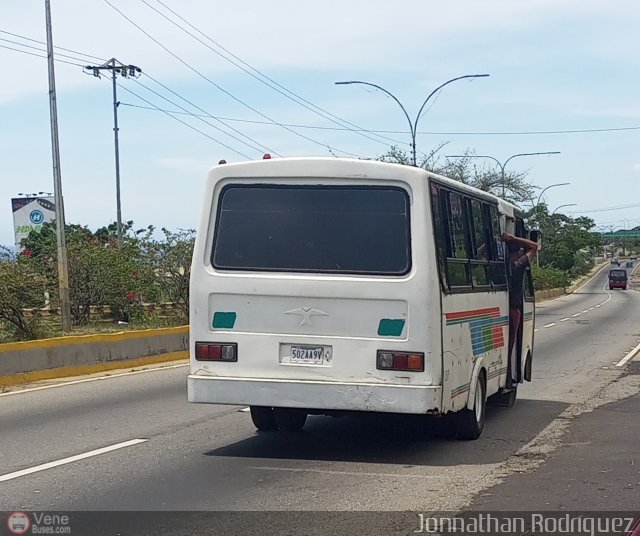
543, 295
83, 354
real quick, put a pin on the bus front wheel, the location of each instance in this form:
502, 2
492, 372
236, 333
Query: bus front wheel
468, 423
263, 418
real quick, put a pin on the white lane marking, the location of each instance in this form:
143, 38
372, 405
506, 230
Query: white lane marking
349, 473
536, 330
586, 311
598, 306
30, 390
591, 309
550, 325
70, 459
577, 314
245, 410
564, 319
609, 295
628, 357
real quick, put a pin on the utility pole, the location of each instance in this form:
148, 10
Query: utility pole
125, 71
63, 272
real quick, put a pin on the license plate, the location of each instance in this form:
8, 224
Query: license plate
307, 354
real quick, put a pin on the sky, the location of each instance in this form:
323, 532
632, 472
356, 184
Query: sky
262, 74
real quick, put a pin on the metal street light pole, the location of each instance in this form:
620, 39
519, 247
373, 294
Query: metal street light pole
413, 125
562, 206
610, 227
63, 272
624, 239
502, 166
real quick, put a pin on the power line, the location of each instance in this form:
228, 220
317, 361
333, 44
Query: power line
149, 89
607, 209
229, 94
317, 127
39, 55
264, 79
59, 48
187, 124
530, 132
185, 111
36, 48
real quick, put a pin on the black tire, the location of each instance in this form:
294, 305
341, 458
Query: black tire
290, 420
263, 418
505, 399
468, 423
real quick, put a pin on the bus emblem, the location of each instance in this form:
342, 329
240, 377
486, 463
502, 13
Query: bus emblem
306, 313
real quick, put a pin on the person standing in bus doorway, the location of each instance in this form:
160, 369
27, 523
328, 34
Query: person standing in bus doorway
521, 252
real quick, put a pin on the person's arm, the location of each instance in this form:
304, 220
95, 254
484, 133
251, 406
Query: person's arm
529, 245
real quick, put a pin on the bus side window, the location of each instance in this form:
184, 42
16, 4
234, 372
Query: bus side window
458, 262
479, 234
439, 231
497, 268
529, 293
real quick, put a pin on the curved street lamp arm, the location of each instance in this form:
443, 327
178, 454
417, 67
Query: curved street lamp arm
562, 206
385, 91
551, 186
528, 154
415, 126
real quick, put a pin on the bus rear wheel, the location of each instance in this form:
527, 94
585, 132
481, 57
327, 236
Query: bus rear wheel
289, 419
263, 418
468, 423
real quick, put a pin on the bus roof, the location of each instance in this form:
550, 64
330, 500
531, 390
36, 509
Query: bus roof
358, 168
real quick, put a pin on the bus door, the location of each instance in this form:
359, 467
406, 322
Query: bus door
524, 334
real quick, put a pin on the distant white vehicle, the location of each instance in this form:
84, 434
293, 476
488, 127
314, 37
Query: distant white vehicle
325, 285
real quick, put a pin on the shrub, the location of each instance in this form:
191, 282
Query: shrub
545, 277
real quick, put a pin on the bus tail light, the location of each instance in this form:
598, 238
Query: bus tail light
410, 361
212, 351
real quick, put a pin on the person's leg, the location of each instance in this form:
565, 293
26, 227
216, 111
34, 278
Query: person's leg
515, 316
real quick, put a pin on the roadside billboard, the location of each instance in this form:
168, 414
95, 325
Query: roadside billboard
30, 213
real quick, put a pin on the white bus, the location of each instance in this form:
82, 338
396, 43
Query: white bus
326, 285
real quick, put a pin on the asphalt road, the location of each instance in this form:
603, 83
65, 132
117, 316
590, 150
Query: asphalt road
210, 458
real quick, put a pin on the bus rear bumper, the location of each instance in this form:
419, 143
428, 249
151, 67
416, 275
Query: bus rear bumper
336, 396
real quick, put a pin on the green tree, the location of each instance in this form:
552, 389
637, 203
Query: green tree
170, 260
100, 272
20, 288
467, 171
568, 244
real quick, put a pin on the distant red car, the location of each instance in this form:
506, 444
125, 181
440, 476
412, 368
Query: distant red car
618, 279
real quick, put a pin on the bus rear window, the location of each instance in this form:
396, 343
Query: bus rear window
618, 274
332, 229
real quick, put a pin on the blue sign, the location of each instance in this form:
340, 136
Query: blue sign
36, 217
